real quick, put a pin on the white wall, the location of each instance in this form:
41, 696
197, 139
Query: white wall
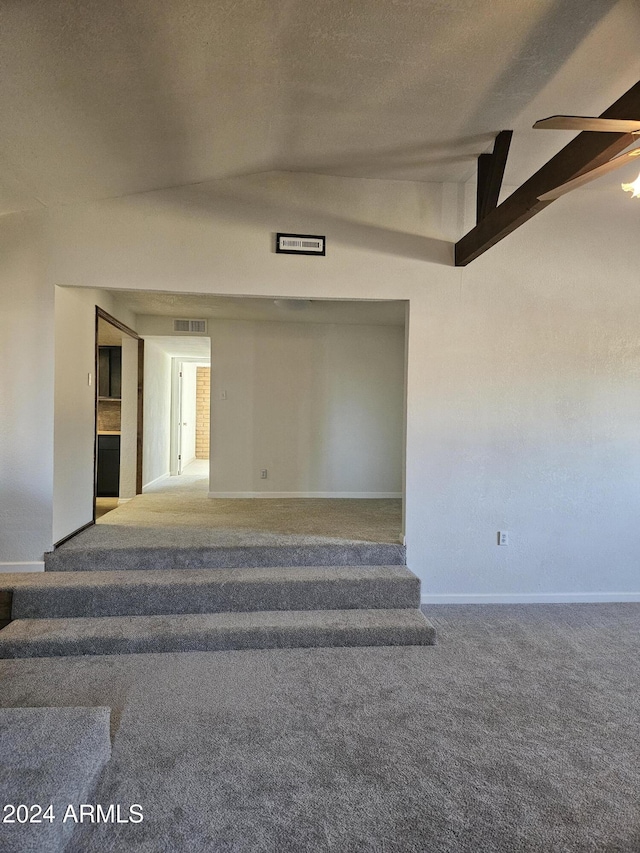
157, 413
74, 415
26, 394
317, 405
188, 410
129, 419
532, 368
524, 368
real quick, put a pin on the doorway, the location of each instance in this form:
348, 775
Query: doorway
190, 416
308, 397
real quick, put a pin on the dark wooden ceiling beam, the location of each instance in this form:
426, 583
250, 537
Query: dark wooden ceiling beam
586, 151
490, 174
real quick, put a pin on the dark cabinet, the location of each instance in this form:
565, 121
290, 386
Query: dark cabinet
110, 372
108, 473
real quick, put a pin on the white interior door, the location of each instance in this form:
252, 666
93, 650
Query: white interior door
179, 419
188, 386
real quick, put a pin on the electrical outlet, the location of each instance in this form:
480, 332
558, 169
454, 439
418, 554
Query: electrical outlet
263, 474
503, 537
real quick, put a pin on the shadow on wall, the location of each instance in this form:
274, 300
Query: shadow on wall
259, 204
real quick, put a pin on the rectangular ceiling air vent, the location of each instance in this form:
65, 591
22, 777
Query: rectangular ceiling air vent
197, 327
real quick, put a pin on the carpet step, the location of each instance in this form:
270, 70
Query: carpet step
110, 635
50, 757
97, 552
145, 593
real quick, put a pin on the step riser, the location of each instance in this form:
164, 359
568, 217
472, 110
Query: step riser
141, 612
216, 598
114, 635
114, 559
222, 641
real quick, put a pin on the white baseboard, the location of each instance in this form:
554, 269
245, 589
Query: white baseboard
157, 480
533, 598
22, 567
305, 494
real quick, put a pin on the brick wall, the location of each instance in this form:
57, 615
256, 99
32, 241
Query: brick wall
203, 392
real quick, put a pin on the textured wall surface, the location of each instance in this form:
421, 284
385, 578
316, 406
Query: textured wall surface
157, 413
129, 420
319, 406
26, 392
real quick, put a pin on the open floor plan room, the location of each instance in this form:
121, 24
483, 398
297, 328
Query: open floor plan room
319, 434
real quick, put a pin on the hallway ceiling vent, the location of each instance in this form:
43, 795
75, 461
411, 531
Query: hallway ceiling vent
196, 327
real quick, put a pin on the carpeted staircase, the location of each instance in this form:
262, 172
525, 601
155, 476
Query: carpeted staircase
164, 610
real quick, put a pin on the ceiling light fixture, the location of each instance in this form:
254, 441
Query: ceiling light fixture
633, 188
626, 127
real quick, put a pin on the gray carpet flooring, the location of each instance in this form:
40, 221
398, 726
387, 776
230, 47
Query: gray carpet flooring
59, 594
518, 733
360, 519
211, 632
175, 525
64, 749
101, 613
115, 548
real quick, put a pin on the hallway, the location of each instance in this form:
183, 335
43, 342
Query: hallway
194, 480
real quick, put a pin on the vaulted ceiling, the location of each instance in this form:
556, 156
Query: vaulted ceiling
101, 99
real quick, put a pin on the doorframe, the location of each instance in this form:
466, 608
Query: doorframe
101, 314
175, 432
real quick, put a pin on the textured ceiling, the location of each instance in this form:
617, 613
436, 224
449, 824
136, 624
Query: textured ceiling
211, 306
101, 99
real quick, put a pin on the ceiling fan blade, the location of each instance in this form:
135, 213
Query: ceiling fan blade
573, 184
609, 125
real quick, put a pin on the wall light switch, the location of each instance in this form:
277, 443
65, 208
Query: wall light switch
503, 537
89, 379
223, 395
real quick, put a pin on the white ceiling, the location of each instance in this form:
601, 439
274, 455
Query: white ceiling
211, 306
102, 99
